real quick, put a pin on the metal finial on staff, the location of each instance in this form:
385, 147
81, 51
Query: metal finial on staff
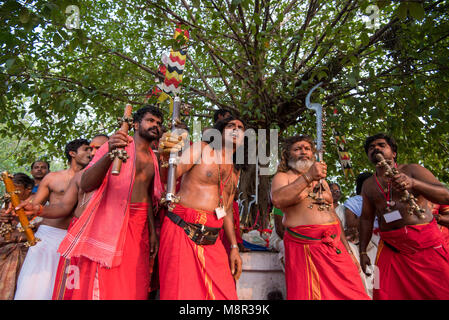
317, 195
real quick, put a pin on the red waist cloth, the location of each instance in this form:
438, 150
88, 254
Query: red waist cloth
318, 267
128, 281
193, 272
67, 275
413, 263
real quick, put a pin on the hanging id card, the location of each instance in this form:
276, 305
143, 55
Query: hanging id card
220, 212
392, 216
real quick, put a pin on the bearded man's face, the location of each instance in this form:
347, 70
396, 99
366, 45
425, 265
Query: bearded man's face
301, 156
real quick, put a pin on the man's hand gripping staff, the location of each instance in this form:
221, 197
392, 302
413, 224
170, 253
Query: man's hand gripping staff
406, 196
119, 155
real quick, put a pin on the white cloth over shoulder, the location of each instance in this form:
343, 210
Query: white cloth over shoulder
355, 205
340, 211
37, 276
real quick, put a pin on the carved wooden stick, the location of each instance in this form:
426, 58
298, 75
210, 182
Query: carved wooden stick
120, 154
406, 196
15, 201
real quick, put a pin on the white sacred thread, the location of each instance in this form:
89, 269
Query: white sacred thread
73, 21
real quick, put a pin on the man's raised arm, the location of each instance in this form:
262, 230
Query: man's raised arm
94, 176
424, 183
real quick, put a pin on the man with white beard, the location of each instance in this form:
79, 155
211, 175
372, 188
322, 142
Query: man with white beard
319, 264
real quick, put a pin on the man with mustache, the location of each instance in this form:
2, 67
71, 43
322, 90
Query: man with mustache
39, 169
412, 258
319, 264
193, 262
114, 238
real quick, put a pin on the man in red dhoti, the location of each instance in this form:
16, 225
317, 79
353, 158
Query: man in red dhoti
114, 237
319, 264
412, 258
193, 263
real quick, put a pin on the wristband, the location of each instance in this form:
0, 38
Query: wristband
364, 252
234, 246
307, 178
41, 208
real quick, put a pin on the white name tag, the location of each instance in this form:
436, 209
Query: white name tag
392, 216
220, 212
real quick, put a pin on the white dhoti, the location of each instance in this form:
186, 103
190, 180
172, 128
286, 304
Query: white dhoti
37, 276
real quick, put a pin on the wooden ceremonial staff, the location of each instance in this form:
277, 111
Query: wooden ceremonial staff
15, 201
119, 155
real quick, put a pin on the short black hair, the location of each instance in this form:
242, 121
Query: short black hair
334, 183
139, 114
73, 146
100, 135
390, 140
220, 126
220, 112
360, 180
23, 179
45, 161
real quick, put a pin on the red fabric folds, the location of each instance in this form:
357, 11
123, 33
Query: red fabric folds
193, 272
318, 267
131, 279
100, 232
413, 264
66, 275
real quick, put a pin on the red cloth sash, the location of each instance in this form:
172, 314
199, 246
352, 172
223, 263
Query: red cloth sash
131, 279
66, 275
318, 267
413, 263
192, 272
100, 232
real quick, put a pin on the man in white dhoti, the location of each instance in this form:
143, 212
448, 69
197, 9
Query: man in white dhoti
37, 276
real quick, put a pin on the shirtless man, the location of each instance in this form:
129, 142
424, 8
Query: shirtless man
39, 268
412, 258
196, 266
115, 237
71, 205
74, 199
318, 261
